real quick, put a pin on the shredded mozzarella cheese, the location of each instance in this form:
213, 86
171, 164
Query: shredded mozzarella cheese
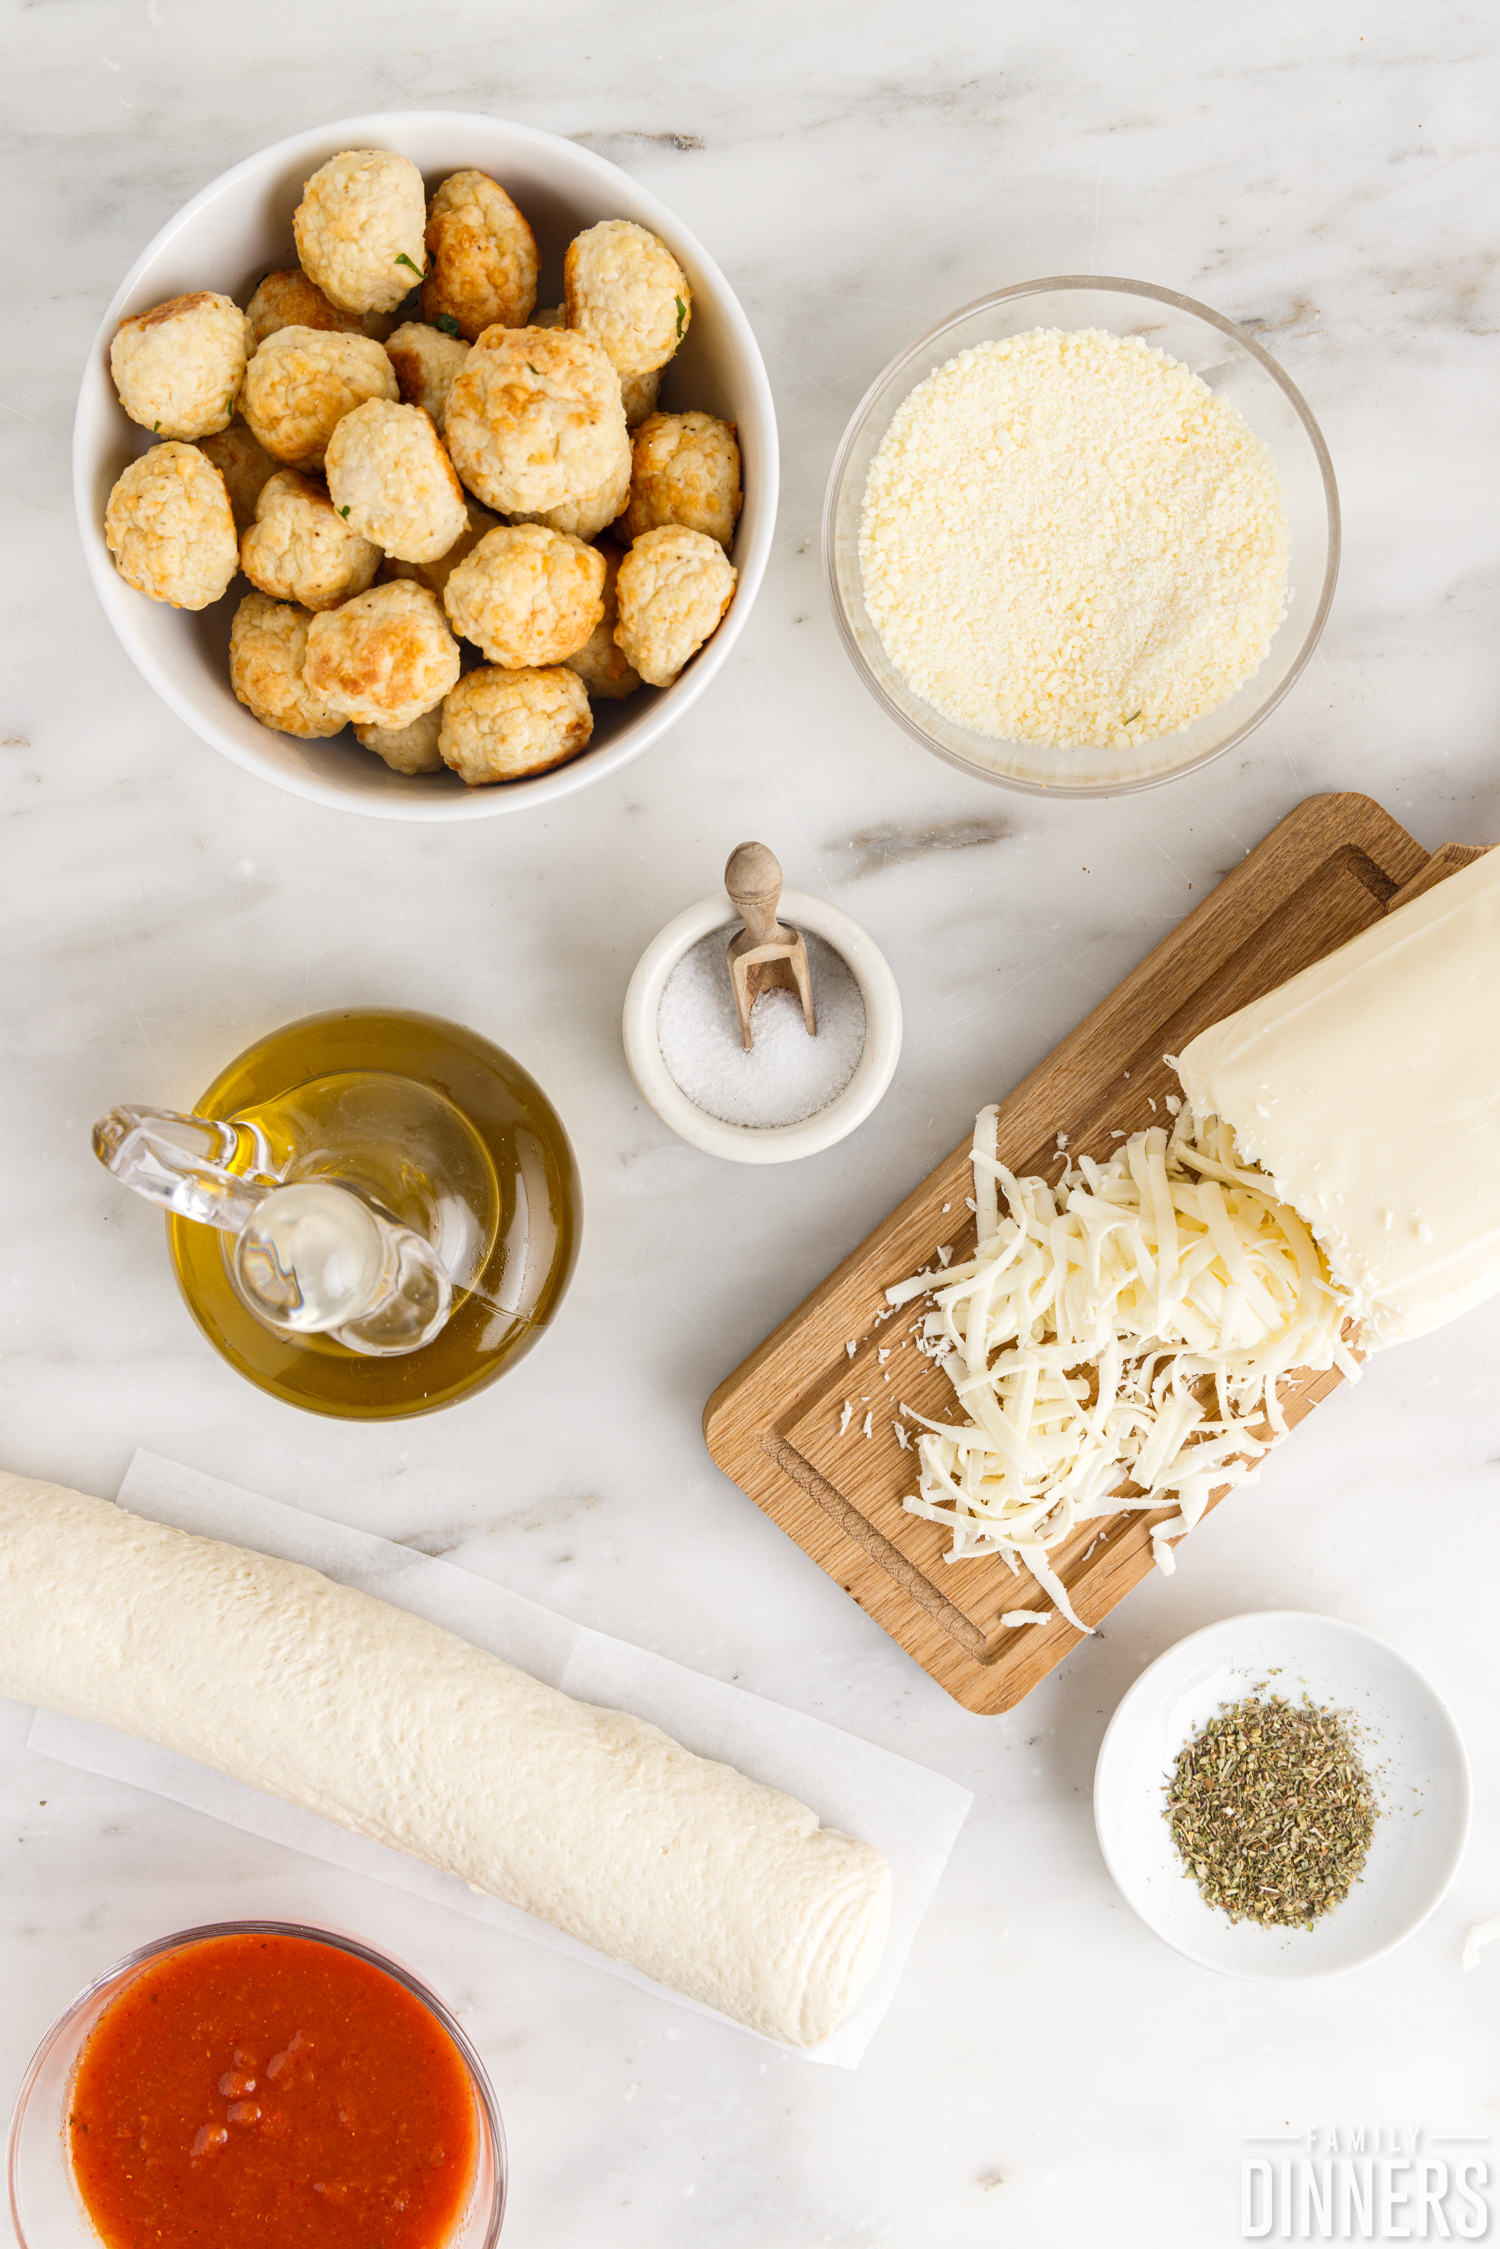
1483, 1933
1127, 1327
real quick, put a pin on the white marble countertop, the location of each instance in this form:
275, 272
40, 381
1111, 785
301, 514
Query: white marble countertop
1049, 2072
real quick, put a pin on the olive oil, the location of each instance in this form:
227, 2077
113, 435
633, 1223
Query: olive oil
444, 1132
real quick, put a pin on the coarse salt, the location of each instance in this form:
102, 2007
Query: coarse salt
786, 1076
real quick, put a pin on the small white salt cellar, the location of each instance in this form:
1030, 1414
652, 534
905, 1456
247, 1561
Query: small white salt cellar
794, 1089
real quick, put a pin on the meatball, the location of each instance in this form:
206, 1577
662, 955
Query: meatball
390, 479
501, 726
303, 381
477, 521
289, 300
359, 229
244, 464
626, 290
639, 393
267, 650
299, 547
426, 362
599, 663
674, 587
686, 470
534, 418
526, 595
170, 527
383, 658
591, 512
481, 256
178, 369
408, 749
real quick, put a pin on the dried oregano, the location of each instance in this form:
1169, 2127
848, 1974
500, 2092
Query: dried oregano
1272, 1812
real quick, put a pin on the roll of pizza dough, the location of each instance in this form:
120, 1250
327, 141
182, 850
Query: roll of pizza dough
1368, 1087
709, 1882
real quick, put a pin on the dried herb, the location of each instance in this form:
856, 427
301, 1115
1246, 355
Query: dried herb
448, 324
1272, 1812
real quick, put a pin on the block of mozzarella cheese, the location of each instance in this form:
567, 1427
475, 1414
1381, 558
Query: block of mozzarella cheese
599, 1823
1368, 1087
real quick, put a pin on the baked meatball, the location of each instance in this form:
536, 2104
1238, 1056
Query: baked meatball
408, 749
244, 464
383, 658
686, 469
267, 650
359, 229
599, 663
289, 300
171, 529
639, 394
426, 362
501, 725
299, 548
591, 512
303, 381
477, 521
481, 256
673, 588
178, 369
390, 479
625, 289
534, 418
526, 595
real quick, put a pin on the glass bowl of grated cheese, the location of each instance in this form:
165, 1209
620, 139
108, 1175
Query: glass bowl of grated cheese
1082, 536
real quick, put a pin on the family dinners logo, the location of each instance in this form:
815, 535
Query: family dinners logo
1384, 2182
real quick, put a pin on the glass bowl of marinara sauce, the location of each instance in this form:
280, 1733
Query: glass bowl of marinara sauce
257, 2081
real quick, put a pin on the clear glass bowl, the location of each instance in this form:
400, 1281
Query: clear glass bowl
1234, 366
46, 2207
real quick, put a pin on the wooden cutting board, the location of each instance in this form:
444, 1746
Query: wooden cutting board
1332, 867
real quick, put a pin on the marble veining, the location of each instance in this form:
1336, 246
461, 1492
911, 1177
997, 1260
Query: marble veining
1049, 2073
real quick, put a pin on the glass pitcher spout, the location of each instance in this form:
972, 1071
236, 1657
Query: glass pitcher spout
311, 1257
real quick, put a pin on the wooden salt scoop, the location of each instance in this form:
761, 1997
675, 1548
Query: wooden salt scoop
763, 955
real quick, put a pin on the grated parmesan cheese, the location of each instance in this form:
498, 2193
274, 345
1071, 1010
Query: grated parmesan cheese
1067, 538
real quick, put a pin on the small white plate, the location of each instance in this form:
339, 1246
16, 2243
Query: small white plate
1411, 1748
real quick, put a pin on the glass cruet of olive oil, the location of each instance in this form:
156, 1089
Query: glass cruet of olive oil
371, 1212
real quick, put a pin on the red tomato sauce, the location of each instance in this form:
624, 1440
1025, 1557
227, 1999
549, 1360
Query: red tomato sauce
276, 2092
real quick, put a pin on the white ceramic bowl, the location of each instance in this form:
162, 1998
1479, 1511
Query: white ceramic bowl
1411, 1748
230, 234
764, 1144
1235, 367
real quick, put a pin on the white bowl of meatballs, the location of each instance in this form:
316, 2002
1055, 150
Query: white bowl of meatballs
426, 466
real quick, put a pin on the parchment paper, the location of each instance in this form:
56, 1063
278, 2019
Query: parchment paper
912, 1815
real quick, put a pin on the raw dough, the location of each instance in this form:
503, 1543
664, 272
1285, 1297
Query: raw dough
595, 1821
